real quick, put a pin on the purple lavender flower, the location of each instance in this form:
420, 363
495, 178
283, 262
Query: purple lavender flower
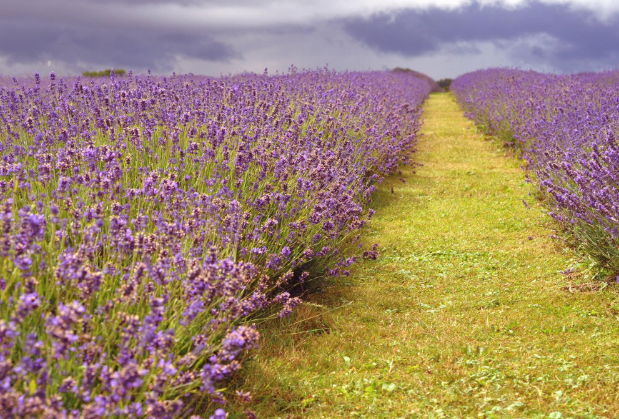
565, 128
219, 414
150, 216
285, 251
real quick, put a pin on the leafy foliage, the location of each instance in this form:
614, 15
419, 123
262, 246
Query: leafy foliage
445, 84
104, 73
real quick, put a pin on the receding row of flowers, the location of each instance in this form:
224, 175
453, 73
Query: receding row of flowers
566, 127
145, 220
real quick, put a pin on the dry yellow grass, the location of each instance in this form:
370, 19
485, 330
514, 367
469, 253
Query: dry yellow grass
465, 314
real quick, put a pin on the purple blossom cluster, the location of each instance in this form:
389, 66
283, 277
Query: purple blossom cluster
566, 128
146, 220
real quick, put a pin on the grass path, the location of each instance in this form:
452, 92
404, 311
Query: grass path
465, 314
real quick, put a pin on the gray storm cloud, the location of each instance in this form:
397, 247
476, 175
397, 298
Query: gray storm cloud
575, 35
209, 36
38, 40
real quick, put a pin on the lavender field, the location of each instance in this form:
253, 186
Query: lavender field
146, 222
395, 209
566, 129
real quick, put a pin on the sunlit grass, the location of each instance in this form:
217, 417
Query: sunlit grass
464, 314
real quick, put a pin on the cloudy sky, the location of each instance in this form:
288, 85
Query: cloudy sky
443, 38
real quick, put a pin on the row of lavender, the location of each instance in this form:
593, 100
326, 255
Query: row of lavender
566, 127
144, 220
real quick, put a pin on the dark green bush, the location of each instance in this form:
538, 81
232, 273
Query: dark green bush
445, 83
104, 73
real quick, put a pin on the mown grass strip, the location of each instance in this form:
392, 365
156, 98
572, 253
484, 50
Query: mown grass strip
465, 314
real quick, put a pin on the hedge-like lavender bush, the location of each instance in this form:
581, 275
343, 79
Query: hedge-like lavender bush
144, 220
566, 127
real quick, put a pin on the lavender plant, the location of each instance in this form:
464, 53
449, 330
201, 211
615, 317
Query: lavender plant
146, 220
566, 127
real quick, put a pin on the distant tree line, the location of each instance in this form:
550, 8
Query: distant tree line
104, 73
445, 84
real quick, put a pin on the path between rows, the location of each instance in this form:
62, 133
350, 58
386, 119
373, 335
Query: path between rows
465, 314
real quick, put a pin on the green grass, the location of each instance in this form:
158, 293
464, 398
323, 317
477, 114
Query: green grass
464, 314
